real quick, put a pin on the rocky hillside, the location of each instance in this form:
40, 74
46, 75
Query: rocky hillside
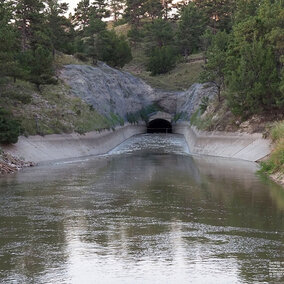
111, 91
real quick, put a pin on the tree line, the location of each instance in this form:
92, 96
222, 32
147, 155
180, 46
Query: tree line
242, 41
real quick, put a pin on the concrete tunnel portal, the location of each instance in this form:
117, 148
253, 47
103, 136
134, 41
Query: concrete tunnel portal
159, 125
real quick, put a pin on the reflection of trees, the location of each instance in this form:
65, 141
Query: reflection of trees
141, 206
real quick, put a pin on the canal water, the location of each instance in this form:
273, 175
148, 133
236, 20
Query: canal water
148, 212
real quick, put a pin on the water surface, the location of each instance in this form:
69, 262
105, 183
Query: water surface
146, 213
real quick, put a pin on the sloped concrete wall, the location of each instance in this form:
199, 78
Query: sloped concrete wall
62, 146
250, 147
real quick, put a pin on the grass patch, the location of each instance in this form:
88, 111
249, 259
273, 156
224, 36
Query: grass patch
50, 111
180, 78
201, 123
62, 59
275, 163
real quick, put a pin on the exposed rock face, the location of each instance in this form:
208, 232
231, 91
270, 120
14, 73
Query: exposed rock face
189, 100
110, 90
107, 89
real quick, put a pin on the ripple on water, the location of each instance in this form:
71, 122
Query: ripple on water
153, 143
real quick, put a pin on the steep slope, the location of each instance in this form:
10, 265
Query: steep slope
110, 90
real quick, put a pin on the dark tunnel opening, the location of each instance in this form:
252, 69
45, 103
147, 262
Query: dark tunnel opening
159, 126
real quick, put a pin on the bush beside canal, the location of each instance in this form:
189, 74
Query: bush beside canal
274, 165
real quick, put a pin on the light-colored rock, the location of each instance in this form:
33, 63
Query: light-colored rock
110, 90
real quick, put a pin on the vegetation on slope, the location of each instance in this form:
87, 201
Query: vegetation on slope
52, 110
181, 77
275, 163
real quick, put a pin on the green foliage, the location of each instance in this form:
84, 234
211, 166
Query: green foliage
61, 31
17, 96
277, 132
9, 127
153, 8
204, 104
116, 119
135, 35
162, 60
219, 13
179, 116
248, 61
275, 162
199, 122
254, 83
159, 33
191, 26
113, 49
214, 70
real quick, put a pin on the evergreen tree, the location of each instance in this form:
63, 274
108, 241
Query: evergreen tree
190, 28
134, 12
99, 9
167, 8
29, 20
162, 60
36, 43
10, 128
116, 8
253, 85
9, 65
153, 9
60, 28
215, 69
113, 49
219, 13
82, 14
159, 33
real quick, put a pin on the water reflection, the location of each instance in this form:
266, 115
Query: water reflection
141, 216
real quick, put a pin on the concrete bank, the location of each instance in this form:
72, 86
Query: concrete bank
62, 146
250, 147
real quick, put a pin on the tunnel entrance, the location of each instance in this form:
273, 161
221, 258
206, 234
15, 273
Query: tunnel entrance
159, 126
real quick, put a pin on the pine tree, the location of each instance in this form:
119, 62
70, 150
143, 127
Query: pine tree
116, 8
82, 14
9, 65
190, 28
99, 9
134, 12
29, 19
219, 13
36, 43
159, 33
154, 9
60, 28
167, 8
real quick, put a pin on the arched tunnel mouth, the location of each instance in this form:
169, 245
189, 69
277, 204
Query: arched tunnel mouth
159, 126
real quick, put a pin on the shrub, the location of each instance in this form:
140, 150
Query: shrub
275, 163
162, 60
10, 128
113, 49
81, 56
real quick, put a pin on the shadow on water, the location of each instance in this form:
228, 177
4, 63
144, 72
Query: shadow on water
143, 214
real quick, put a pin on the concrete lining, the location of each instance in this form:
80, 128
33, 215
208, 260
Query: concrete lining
63, 146
244, 146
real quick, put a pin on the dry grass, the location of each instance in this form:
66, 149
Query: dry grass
53, 110
180, 78
275, 163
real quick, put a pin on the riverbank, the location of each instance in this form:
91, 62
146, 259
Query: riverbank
237, 145
63, 146
10, 164
243, 146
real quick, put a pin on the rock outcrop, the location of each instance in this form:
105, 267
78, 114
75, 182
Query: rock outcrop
107, 89
110, 90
